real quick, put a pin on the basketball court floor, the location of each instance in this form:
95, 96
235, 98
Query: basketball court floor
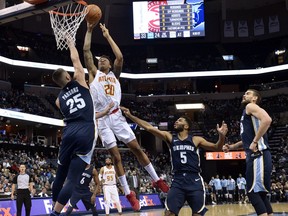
280, 209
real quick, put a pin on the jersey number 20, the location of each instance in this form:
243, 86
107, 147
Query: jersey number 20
75, 103
109, 89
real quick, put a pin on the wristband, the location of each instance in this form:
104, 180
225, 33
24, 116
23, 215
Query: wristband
255, 142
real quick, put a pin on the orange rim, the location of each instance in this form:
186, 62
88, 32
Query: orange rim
70, 14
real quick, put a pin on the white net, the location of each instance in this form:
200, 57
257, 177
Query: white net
65, 22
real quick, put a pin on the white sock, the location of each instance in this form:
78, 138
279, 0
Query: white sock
119, 207
124, 184
107, 208
150, 169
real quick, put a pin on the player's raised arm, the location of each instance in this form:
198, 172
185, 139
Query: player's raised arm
222, 131
118, 63
88, 57
164, 135
79, 74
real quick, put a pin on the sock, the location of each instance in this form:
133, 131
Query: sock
54, 213
94, 211
119, 207
107, 207
150, 169
124, 184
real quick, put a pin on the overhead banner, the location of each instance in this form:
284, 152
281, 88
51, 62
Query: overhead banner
43, 206
258, 27
228, 29
242, 28
274, 25
235, 155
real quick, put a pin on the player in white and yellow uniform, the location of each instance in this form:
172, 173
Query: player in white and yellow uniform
107, 177
105, 88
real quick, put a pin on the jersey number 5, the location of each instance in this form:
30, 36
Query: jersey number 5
109, 89
75, 103
183, 157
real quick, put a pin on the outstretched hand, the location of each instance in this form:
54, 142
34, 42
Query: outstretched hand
105, 31
223, 129
90, 26
69, 40
126, 111
226, 148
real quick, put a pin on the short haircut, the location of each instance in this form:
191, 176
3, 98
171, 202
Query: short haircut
188, 120
57, 76
257, 94
107, 57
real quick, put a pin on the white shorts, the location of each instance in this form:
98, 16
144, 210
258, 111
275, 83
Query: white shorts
111, 193
113, 125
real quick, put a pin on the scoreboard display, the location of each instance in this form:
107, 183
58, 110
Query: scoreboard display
168, 19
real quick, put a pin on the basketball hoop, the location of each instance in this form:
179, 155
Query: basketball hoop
65, 21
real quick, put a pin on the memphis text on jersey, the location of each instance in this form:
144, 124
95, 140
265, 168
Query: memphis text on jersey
183, 147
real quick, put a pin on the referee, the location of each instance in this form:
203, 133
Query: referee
24, 186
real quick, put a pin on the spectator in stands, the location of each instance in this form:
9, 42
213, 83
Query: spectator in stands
43, 193
1, 188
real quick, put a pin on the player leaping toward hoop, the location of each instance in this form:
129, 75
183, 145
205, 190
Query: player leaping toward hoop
105, 87
79, 134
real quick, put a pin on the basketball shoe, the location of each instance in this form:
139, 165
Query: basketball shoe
161, 185
133, 201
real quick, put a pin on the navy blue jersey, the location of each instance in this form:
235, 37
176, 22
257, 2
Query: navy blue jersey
249, 125
85, 180
185, 155
76, 103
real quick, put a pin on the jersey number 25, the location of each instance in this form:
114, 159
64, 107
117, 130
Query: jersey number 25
75, 103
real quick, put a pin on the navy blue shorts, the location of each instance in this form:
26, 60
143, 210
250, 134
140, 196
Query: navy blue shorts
256, 169
85, 196
78, 139
186, 187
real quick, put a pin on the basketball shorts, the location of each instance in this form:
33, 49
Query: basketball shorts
186, 187
78, 140
258, 172
111, 193
85, 196
112, 125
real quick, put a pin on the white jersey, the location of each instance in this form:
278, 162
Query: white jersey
105, 88
109, 175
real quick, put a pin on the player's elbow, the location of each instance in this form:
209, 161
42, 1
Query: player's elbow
119, 58
267, 121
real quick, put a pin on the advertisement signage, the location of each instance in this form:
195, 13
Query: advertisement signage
42, 206
235, 155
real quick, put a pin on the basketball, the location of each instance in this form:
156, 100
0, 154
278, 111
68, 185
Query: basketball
94, 14
35, 2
